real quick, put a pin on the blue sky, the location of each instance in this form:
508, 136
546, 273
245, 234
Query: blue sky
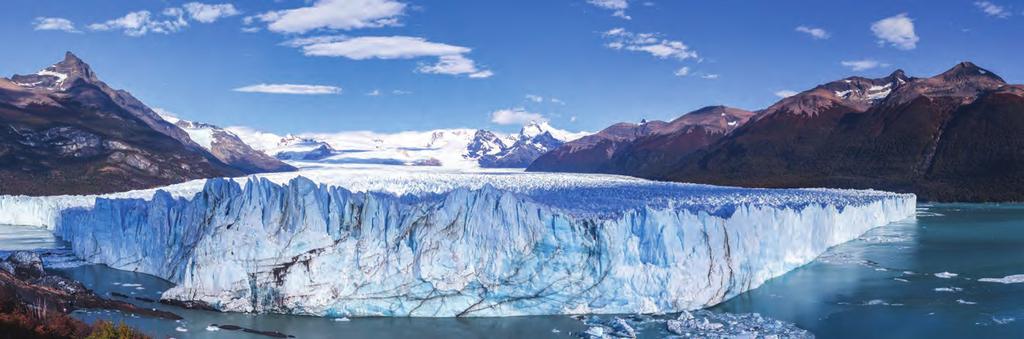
494, 64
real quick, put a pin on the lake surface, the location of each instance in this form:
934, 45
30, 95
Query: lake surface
917, 278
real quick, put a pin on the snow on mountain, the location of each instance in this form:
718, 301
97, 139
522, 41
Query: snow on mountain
387, 242
226, 146
450, 148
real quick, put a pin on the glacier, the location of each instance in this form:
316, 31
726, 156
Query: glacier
373, 242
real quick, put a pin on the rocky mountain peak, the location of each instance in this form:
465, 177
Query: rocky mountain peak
968, 71
59, 76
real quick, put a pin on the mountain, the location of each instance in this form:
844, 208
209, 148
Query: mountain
633, 148
955, 136
449, 148
63, 131
228, 148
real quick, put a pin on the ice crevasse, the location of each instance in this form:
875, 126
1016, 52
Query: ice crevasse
440, 245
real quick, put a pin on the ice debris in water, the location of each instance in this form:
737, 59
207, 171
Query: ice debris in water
1010, 279
697, 324
948, 289
945, 275
965, 302
707, 324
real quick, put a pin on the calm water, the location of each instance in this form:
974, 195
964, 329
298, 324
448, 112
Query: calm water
883, 285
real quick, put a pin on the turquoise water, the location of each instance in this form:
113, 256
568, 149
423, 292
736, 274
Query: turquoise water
884, 285
895, 281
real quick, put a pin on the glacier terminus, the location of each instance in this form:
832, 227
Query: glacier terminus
347, 242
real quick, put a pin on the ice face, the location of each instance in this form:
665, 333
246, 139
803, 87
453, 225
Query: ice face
351, 243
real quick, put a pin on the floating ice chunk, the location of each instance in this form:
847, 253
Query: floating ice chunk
342, 319
212, 328
946, 275
948, 289
1010, 279
555, 330
181, 329
965, 302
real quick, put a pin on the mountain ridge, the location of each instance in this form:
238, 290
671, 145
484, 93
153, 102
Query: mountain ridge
949, 137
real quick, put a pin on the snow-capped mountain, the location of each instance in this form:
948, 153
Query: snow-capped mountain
63, 131
228, 148
452, 148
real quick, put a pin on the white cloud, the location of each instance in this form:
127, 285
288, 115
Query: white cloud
140, 23
814, 32
860, 65
334, 14
617, 6
572, 119
785, 93
375, 47
373, 93
556, 101
709, 76
897, 30
400, 92
992, 9
207, 13
652, 43
54, 24
682, 72
289, 89
451, 59
515, 116
534, 98
455, 64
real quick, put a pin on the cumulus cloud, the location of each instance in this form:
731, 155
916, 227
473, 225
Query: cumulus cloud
785, 93
140, 23
289, 89
556, 101
709, 76
992, 9
515, 116
814, 32
651, 43
860, 65
170, 20
373, 93
683, 71
618, 7
54, 24
897, 31
207, 13
534, 98
334, 14
451, 59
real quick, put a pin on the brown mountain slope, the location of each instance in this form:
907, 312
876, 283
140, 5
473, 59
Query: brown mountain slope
64, 132
952, 137
629, 148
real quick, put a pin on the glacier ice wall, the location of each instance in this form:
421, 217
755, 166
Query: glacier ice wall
478, 250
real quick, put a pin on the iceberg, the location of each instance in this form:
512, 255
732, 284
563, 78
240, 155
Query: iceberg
373, 242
